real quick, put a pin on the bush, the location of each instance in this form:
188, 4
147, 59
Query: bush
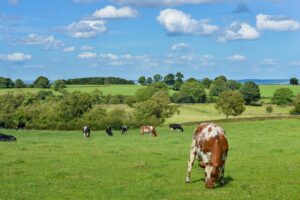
59, 85
194, 90
294, 81
283, 96
269, 109
296, 110
41, 82
250, 92
231, 103
218, 87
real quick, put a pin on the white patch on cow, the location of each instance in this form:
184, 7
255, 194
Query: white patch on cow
205, 157
208, 170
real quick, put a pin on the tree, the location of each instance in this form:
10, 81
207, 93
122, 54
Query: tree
6, 83
169, 79
206, 82
142, 80
283, 96
157, 78
294, 81
19, 84
250, 92
42, 82
145, 93
194, 90
231, 103
223, 78
177, 85
149, 81
233, 85
179, 76
218, 87
58, 85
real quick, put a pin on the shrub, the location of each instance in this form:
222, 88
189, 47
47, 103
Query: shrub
250, 92
231, 103
194, 90
269, 109
283, 96
296, 110
41, 82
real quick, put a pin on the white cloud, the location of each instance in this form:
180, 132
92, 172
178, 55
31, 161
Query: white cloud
48, 42
111, 12
268, 61
87, 48
177, 22
276, 23
162, 2
14, 2
86, 28
239, 31
84, 1
180, 47
15, 57
237, 57
69, 49
87, 55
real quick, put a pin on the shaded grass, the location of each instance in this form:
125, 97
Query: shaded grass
263, 163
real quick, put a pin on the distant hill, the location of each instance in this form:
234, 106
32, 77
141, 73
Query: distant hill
267, 81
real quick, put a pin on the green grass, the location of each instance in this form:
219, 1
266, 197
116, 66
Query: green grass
263, 163
267, 91
18, 90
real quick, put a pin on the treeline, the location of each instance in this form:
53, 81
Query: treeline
98, 81
39, 82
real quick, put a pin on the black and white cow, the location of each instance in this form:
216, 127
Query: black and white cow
86, 131
21, 125
124, 129
2, 124
7, 138
108, 130
177, 127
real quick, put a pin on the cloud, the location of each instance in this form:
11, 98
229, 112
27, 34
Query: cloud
15, 57
48, 42
86, 28
69, 49
111, 12
239, 31
84, 1
241, 8
14, 2
180, 47
237, 57
87, 48
268, 61
87, 55
276, 23
295, 62
155, 3
177, 22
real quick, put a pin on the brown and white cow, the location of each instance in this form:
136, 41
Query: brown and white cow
149, 130
210, 147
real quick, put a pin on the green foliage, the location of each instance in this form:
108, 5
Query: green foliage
181, 97
179, 76
223, 78
250, 92
177, 85
130, 101
206, 82
142, 80
169, 79
269, 109
59, 85
149, 81
218, 86
19, 84
98, 81
294, 81
41, 82
296, 109
157, 78
146, 93
233, 85
231, 103
194, 90
283, 96
6, 83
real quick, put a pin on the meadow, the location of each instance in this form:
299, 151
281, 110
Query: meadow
263, 163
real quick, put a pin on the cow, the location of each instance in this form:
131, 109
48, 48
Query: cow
124, 129
21, 125
148, 129
109, 132
86, 131
7, 138
210, 146
177, 127
2, 124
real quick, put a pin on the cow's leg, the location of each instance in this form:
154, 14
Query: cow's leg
222, 168
191, 161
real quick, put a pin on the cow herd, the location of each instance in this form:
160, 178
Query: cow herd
209, 146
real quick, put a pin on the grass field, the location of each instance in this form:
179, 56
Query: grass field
263, 163
267, 91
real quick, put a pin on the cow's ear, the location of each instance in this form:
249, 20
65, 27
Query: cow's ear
216, 152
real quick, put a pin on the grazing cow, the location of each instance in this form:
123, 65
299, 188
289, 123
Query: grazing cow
21, 125
109, 131
2, 124
210, 146
7, 138
177, 127
148, 129
124, 129
86, 131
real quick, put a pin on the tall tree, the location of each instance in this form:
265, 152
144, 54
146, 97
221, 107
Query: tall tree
157, 78
169, 79
19, 84
41, 82
251, 92
179, 76
294, 81
149, 81
142, 80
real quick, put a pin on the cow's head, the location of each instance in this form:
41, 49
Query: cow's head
211, 175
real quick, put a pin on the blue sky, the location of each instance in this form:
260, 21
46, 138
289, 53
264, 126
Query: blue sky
129, 38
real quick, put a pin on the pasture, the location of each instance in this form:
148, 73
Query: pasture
263, 163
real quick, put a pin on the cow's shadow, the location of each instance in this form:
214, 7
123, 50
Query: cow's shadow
228, 179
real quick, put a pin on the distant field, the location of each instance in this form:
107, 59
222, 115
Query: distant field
263, 163
268, 90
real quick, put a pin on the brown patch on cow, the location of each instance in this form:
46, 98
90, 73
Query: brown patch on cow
209, 130
200, 128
